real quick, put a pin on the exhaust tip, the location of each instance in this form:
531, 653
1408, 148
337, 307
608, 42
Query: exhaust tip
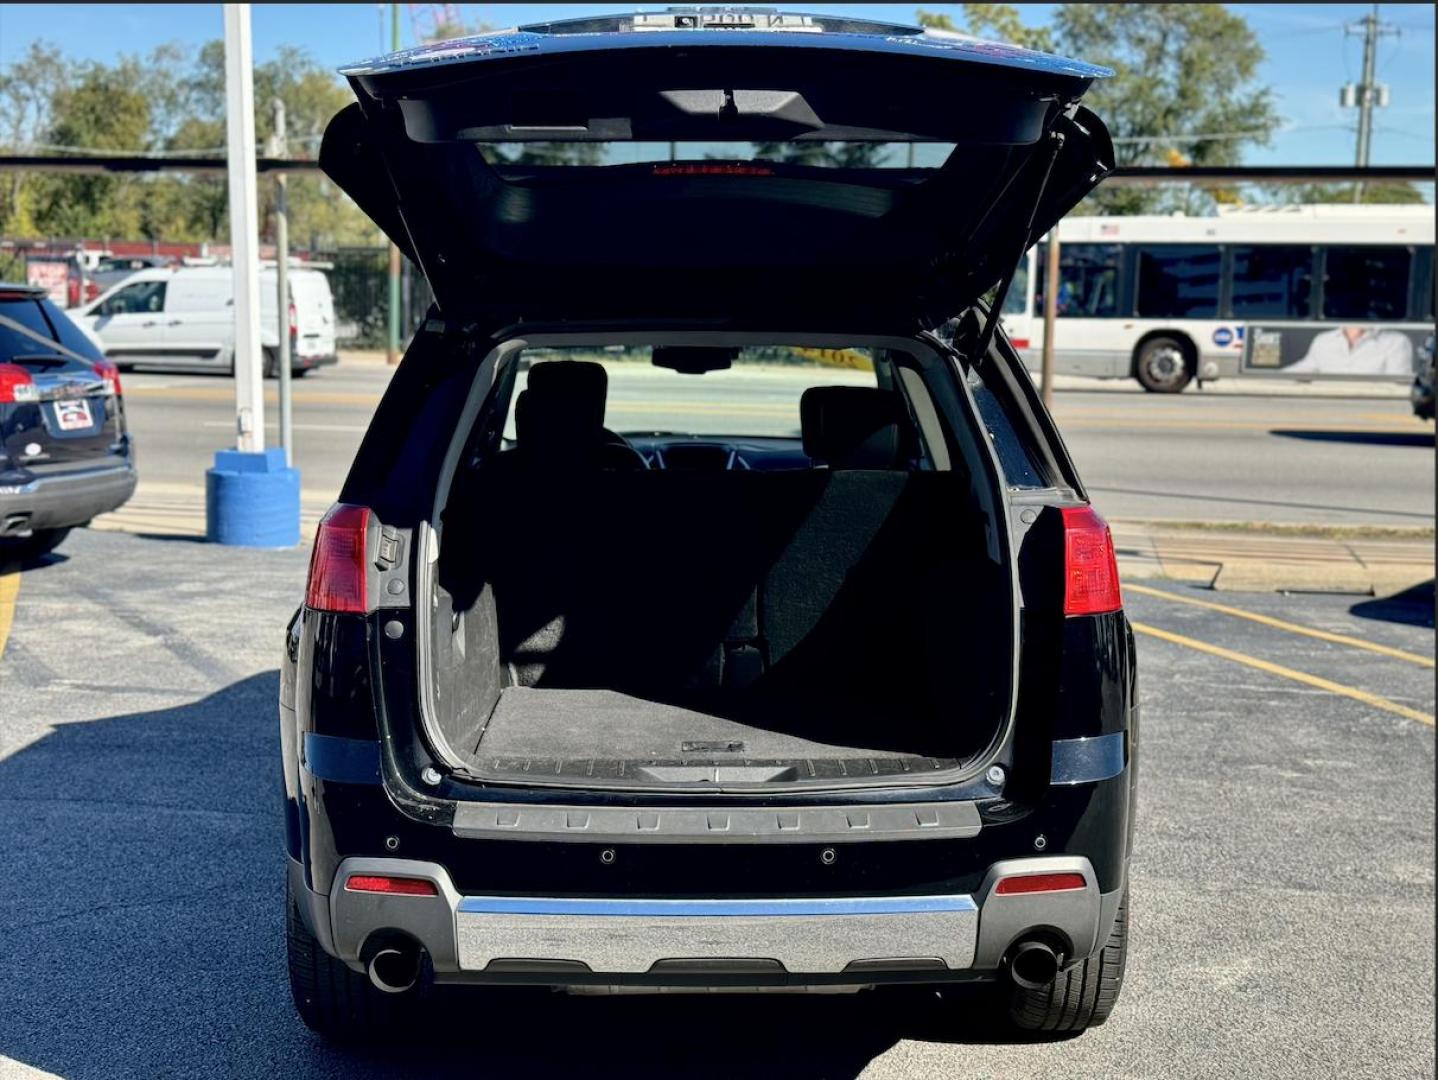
1033, 965
394, 969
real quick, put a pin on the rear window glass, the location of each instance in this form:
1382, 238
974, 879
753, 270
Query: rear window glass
1273, 281
1178, 281
845, 155
69, 334
759, 395
1366, 282
28, 314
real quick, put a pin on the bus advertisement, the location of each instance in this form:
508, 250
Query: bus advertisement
1329, 292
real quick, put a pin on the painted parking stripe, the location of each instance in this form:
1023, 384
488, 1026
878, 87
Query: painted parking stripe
9, 589
1281, 624
1286, 672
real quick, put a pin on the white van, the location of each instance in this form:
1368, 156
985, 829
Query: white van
183, 317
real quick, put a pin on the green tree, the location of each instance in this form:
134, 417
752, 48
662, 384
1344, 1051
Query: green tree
28, 87
1181, 70
1000, 22
1383, 191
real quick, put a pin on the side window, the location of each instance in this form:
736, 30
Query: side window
141, 298
1273, 281
1423, 284
1178, 281
1088, 280
1019, 460
1366, 282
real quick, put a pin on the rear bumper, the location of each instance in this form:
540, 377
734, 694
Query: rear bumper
858, 940
313, 361
59, 500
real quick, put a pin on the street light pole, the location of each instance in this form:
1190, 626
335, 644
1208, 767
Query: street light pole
251, 496
392, 351
280, 149
244, 228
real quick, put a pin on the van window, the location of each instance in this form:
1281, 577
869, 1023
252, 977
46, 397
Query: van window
143, 297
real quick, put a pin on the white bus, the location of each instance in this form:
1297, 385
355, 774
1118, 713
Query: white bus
1300, 291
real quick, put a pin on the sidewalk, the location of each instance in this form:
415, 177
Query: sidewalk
1251, 561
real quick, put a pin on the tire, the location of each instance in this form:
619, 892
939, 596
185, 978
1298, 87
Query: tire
39, 542
1081, 997
340, 1004
272, 363
1164, 365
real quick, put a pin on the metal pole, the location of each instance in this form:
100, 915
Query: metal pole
1051, 307
244, 230
392, 352
282, 282
1366, 91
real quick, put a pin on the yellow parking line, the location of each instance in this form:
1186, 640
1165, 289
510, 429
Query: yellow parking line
1280, 624
9, 589
1286, 672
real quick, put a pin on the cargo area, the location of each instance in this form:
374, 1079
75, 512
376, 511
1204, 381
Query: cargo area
651, 627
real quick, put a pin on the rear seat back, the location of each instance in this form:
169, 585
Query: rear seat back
837, 592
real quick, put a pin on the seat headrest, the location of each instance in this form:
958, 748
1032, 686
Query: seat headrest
853, 427
563, 407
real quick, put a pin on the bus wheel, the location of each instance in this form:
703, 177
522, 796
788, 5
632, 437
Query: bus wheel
1164, 366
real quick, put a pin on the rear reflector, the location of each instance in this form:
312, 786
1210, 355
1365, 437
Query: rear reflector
1032, 883
16, 385
391, 886
339, 571
1090, 565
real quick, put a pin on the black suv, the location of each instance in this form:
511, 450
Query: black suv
712, 602
65, 454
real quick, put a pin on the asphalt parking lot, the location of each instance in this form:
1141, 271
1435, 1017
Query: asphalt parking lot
1283, 881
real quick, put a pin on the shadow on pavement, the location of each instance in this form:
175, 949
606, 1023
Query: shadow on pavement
143, 899
38, 562
1412, 607
1364, 438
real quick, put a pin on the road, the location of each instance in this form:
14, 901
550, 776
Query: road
1271, 453
1283, 882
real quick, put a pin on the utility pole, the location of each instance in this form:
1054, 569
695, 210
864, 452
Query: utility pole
392, 352
1368, 93
1051, 307
279, 148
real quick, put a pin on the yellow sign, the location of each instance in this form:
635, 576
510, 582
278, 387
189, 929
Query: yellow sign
841, 358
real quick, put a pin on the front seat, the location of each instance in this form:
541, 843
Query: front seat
559, 419
855, 427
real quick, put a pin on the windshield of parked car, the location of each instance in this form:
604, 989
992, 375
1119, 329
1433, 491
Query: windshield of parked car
757, 395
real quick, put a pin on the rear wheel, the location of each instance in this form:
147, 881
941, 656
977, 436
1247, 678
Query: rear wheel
1081, 997
1164, 365
340, 1004
39, 542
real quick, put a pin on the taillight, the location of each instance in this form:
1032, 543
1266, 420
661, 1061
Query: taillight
339, 570
16, 385
1034, 883
72, 292
92, 290
1090, 565
294, 321
390, 886
110, 373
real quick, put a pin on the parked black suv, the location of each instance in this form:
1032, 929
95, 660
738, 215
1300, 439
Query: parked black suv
711, 601
65, 455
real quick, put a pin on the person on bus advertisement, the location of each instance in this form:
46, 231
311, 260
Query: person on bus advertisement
1357, 350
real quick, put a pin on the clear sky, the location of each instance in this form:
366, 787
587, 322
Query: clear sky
1308, 54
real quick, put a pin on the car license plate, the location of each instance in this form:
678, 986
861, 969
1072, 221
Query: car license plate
73, 415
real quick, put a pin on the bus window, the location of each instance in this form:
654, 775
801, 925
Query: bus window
1273, 281
1366, 283
1178, 281
1088, 280
1423, 283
